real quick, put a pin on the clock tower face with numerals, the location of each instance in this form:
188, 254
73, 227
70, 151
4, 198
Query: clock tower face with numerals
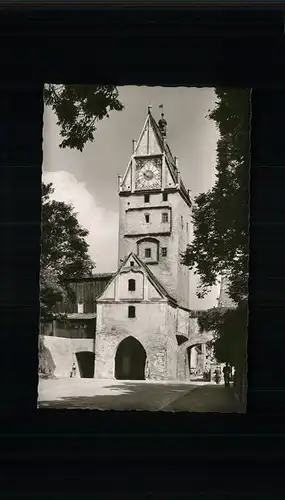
148, 174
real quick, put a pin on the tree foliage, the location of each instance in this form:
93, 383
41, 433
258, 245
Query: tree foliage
221, 226
78, 108
64, 251
229, 327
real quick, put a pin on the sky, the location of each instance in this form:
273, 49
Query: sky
88, 180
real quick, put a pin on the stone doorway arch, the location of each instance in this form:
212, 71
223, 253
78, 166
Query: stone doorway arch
130, 360
85, 361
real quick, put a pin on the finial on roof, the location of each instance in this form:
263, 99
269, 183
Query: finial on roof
149, 108
162, 122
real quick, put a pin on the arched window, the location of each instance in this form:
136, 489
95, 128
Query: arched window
132, 285
132, 312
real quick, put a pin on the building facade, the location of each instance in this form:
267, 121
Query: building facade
143, 321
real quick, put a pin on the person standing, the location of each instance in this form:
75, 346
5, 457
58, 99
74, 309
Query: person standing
227, 372
73, 371
217, 375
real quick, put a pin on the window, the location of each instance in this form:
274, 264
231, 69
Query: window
187, 227
147, 252
182, 221
80, 308
146, 198
164, 217
164, 252
132, 285
132, 263
132, 312
146, 216
164, 197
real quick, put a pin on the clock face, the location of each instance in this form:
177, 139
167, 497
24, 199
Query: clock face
148, 174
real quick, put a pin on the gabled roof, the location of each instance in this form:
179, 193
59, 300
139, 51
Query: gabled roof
154, 281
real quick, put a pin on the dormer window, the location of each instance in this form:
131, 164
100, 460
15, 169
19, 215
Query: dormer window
146, 216
132, 285
132, 263
164, 217
146, 198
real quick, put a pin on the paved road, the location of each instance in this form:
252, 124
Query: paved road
134, 395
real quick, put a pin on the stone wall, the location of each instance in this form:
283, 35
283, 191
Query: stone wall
182, 322
170, 272
63, 352
149, 327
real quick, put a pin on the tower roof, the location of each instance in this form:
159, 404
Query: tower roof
164, 147
168, 154
152, 141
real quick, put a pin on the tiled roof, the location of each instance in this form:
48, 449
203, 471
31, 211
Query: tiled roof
150, 275
169, 157
165, 148
91, 278
103, 275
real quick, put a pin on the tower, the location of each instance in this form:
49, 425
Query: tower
224, 298
155, 210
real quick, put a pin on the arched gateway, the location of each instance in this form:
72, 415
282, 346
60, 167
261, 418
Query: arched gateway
85, 362
130, 360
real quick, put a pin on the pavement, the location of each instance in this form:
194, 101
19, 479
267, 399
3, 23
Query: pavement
174, 396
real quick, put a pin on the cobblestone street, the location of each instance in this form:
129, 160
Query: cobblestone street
136, 395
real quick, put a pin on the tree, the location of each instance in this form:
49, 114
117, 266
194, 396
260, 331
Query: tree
64, 251
220, 216
221, 220
78, 107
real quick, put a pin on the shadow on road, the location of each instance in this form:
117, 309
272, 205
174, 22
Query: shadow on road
126, 396
156, 397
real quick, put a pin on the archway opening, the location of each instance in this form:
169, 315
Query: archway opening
130, 360
85, 361
188, 353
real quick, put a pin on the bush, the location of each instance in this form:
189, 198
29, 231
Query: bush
46, 364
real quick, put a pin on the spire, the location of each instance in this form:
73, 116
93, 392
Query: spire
162, 122
224, 298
